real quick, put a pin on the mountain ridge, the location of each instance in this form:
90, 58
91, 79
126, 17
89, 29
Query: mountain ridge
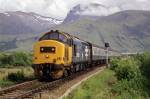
22, 22
127, 30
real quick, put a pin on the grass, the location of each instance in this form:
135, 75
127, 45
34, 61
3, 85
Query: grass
128, 78
5, 83
97, 87
28, 71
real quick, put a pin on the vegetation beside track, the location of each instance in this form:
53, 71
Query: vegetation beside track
10, 76
14, 59
127, 78
95, 88
15, 67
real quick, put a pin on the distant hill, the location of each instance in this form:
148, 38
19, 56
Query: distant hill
18, 30
22, 23
125, 31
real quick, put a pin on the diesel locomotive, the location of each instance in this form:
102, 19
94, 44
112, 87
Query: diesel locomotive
59, 54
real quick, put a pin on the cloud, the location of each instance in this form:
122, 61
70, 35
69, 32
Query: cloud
60, 8
53, 8
107, 7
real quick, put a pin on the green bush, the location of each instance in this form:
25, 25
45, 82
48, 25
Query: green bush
15, 59
20, 59
133, 88
145, 66
114, 63
133, 74
127, 68
16, 77
1, 56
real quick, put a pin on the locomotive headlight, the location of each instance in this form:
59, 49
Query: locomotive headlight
46, 56
53, 49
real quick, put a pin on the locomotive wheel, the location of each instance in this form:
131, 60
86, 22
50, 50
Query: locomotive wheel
84, 66
72, 69
65, 73
75, 70
80, 67
69, 72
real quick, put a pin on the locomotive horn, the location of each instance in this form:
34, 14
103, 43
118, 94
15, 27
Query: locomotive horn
51, 31
57, 31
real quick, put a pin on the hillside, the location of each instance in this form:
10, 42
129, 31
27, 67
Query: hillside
126, 31
18, 30
22, 23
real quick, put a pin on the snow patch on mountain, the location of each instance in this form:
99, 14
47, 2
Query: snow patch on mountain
5, 13
52, 20
22, 22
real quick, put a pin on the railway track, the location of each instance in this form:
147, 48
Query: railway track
29, 89
13, 91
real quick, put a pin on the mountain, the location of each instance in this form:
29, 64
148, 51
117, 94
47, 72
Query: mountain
19, 30
125, 31
21, 22
90, 10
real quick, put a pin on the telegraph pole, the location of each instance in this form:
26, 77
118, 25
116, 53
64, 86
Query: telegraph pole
107, 50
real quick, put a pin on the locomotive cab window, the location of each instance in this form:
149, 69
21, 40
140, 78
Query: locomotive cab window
62, 38
54, 36
45, 37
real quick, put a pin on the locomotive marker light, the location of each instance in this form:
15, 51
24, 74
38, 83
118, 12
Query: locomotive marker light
107, 47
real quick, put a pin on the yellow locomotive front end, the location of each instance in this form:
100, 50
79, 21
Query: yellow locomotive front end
52, 55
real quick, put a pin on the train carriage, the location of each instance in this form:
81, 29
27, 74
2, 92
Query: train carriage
98, 55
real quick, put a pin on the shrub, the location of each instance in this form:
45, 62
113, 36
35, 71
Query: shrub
131, 75
114, 63
134, 88
145, 67
16, 59
20, 59
16, 77
1, 56
127, 69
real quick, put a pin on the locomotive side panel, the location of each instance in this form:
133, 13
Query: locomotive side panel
81, 51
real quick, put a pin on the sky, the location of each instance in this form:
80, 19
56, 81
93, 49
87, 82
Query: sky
60, 8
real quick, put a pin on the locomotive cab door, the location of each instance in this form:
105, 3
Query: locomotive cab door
68, 52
